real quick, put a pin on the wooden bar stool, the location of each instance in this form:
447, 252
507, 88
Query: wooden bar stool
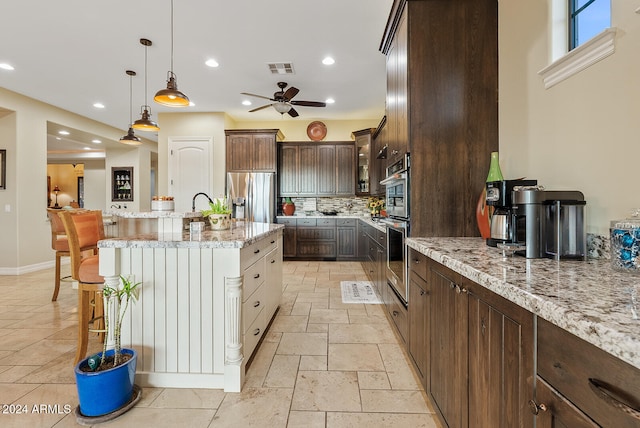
59, 244
84, 229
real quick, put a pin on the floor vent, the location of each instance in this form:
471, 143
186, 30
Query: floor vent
281, 68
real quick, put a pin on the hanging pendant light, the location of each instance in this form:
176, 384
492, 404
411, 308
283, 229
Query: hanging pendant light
145, 123
131, 138
171, 96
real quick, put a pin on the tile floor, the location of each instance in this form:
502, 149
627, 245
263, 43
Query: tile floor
322, 363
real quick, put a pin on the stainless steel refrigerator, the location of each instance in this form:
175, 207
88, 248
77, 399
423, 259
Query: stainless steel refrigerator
253, 195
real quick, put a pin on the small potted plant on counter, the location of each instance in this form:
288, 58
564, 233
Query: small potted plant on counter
105, 381
288, 207
219, 214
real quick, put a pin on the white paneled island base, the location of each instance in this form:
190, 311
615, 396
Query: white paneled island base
204, 303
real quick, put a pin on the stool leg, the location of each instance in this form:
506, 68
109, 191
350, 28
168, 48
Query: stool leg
84, 316
56, 285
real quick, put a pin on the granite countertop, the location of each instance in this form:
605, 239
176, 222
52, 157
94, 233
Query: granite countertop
586, 298
241, 234
156, 214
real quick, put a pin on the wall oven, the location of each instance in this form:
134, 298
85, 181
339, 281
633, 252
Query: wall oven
397, 223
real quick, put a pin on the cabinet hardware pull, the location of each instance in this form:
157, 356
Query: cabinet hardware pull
256, 332
273, 261
395, 313
452, 285
256, 276
535, 407
273, 242
600, 389
422, 292
416, 261
256, 304
256, 251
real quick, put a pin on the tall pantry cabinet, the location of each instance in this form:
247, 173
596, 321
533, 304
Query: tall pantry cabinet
442, 106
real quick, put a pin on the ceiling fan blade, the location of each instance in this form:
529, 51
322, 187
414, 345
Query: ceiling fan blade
260, 108
309, 103
290, 93
254, 95
292, 112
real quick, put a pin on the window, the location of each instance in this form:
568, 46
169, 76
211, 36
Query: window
587, 18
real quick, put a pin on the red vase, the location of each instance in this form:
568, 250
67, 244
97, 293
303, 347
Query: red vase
483, 215
288, 208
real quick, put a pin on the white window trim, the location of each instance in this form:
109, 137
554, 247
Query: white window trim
580, 58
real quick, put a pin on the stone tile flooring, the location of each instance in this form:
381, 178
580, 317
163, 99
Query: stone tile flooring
322, 363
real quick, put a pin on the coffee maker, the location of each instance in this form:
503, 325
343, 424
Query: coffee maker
549, 223
499, 197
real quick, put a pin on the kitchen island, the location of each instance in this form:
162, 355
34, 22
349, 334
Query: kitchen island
204, 304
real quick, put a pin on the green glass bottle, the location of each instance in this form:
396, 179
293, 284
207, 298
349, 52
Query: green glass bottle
495, 174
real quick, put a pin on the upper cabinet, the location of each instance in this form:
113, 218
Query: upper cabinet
365, 159
252, 149
312, 169
442, 106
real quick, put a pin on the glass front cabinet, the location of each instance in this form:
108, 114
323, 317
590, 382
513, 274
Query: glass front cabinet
122, 183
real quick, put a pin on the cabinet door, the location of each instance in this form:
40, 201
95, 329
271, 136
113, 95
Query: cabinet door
273, 281
239, 153
448, 373
288, 170
289, 241
557, 411
402, 96
347, 242
419, 324
327, 170
264, 152
377, 167
346, 170
501, 366
307, 170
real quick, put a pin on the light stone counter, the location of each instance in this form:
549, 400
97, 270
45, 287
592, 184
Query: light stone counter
586, 298
240, 235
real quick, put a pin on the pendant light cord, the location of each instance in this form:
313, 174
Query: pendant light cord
145, 74
130, 100
172, 36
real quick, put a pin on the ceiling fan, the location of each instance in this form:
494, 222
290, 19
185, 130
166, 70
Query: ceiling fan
282, 101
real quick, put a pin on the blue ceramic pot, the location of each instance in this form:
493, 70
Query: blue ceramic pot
104, 392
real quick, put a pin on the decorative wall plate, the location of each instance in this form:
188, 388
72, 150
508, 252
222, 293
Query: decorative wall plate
316, 131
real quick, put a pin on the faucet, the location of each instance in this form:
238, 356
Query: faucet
193, 201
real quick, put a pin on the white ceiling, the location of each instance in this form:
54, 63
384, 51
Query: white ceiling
73, 53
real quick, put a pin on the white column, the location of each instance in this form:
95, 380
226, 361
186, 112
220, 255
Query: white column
109, 268
233, 369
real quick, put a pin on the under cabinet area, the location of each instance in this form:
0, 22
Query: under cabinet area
579, 385
472, 348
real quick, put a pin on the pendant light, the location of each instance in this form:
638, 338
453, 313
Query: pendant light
131, 138
171, 96
145, 123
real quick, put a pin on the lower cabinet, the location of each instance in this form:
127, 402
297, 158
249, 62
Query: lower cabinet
316, 239
580, 385
472, 348
347, 238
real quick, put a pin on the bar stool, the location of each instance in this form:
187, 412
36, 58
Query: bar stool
84, 229
59, 244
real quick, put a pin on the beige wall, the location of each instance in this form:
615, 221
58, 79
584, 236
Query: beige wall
581, 134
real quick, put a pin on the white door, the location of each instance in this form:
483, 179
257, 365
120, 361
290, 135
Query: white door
189, 166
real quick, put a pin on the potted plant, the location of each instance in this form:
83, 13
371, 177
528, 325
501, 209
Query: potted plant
105, 381
219, 214
288, 207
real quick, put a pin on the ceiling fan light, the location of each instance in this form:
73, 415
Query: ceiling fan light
171, 96
131, 139
281, 107
145, 123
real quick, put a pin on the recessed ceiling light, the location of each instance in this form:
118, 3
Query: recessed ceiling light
87, 148
330, 101
63, 132
328, 61
191, 103
58, 138
96, 141
5, 66
246, 103
98, 105
212, 63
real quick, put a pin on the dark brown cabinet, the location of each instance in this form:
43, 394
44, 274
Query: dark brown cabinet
251, 149
378, 168
317, 170
316, 239
580, 385
289, 237
442, 106
122, 183
347, 238
365, 158
418, 313
480, 369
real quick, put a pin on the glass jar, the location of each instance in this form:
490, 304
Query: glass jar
625, 244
